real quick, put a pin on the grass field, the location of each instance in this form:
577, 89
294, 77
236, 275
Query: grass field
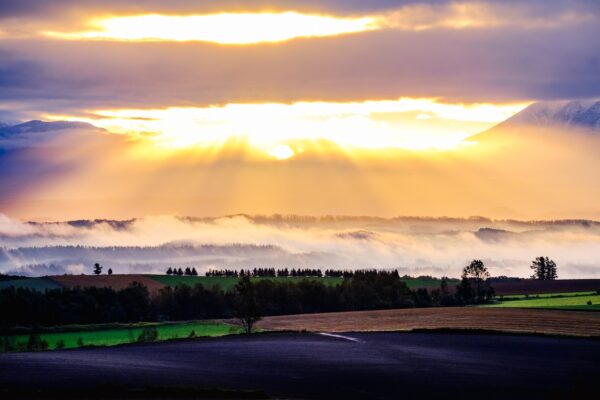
39, 284
227, 283
559, 301
428, 283
130, 334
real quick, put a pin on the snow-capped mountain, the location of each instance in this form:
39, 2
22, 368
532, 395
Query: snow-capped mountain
577, 114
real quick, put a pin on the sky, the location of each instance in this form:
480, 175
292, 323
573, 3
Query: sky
299, 107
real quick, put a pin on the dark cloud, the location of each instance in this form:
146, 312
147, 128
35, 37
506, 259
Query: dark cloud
501, 64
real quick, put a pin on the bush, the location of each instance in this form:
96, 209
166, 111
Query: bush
149, 334
589, 303
60, 344
192, 334
7, 343
35, 343
79, 342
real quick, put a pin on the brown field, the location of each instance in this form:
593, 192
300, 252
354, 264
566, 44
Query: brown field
532, 286
572, 323
116, 282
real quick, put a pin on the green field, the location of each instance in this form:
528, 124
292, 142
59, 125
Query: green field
427, 283
39, 284
558, 301
129, 334
227, 283
543, 295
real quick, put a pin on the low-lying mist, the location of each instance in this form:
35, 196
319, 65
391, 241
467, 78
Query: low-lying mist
415, 246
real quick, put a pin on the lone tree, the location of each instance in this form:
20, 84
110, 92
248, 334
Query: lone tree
475, 285
110, 271
246, 305
97, 269
543, 269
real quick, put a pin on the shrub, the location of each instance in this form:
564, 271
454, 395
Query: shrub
589, 303
192, 334
7, 343
149, 334
79, 342
35, 343
60, 344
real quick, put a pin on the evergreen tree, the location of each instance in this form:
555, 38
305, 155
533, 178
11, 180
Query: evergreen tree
97, 269
110, 271
169, 271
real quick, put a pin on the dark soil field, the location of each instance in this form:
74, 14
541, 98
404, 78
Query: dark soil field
314, 366
116, 282
550, 322
531, 286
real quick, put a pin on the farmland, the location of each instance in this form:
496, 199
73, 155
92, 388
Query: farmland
568, 323
364, 365
157, 282
585, 301
126, 333
227, 283
39, 284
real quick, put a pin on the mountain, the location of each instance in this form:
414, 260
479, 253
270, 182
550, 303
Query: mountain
37, 126
575, 113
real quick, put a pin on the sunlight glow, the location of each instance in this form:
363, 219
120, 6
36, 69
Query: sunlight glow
224, 28
273, 128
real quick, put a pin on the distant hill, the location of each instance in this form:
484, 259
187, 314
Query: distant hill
37, 126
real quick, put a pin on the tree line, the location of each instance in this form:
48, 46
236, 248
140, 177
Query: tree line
367, 290
179, 272
282, 272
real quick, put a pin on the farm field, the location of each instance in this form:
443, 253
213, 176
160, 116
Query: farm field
39, 284
366, 365
562, 301
116, 282
532, 286
227, 283
428, 283
551, 322
129, 334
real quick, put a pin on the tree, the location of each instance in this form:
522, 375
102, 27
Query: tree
543, 269
148, 334
169, 271
475, 285
97, 269
188, 271
35, 342
180, 272
194, 272
110, 271
246, 307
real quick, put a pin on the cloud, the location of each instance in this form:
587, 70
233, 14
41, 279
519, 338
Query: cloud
414, 245
47, 270
527, 50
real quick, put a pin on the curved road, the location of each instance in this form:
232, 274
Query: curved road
351, 365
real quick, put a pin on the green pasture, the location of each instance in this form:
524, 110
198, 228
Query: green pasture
427, 283
39, 284
227, 283
128, 334
559, 301
544, 295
